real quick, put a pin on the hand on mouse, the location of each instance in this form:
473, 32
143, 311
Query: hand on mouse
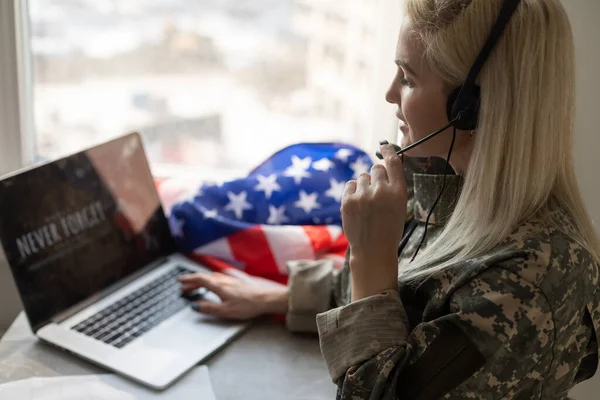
243, 297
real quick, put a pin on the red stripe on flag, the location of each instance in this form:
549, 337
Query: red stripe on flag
339, 246
319, 237
215, 264
251, 247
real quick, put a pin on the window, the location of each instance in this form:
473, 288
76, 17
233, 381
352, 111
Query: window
212, 85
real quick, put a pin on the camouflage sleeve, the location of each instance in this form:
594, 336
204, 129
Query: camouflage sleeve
496, 332
310, 285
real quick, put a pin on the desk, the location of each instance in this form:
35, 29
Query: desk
266, 362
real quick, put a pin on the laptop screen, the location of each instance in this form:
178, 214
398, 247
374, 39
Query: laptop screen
73, 227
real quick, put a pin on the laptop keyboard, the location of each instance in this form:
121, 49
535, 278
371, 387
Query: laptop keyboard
129, 318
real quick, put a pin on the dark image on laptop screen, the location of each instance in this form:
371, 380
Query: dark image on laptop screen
75, 226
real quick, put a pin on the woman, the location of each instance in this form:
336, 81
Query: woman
502, 299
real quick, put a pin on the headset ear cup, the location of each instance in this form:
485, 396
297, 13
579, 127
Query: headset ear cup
451, 102
470, 116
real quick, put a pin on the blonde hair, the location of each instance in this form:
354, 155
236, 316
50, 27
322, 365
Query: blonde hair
522, 162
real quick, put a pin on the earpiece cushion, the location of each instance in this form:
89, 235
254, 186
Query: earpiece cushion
470, 117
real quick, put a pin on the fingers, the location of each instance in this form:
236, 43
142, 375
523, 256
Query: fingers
349, 190
226, 310
363, 182
200, 280
393, 165
378, 174
209, 308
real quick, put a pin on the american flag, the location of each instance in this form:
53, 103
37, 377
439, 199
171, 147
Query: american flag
288, 208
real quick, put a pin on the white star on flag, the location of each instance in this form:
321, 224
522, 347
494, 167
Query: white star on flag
208, 214
323, 164
336, 190
359, 167
276, 215
343, 154
176, 226
298, 169
237, 203
307, 202
267, 184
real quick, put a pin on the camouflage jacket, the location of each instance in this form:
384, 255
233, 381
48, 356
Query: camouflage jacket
518, 323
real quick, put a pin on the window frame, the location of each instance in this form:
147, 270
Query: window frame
16, 123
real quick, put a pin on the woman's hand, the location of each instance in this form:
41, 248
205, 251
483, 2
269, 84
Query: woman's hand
373, 216
243, 297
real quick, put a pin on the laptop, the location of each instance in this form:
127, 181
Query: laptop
94, 262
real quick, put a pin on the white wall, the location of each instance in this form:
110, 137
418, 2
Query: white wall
584, 16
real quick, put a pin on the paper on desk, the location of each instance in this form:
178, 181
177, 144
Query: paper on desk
194, 385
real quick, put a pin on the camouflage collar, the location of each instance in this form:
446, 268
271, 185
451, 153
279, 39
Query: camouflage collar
427, 188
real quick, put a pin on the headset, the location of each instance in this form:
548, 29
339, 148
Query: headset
462, 107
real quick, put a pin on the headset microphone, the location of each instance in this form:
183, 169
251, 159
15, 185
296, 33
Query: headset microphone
400, 151
462, 107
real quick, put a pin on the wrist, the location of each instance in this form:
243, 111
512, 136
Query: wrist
362, 254
371, 276
361, 290
385, 262
274, 301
